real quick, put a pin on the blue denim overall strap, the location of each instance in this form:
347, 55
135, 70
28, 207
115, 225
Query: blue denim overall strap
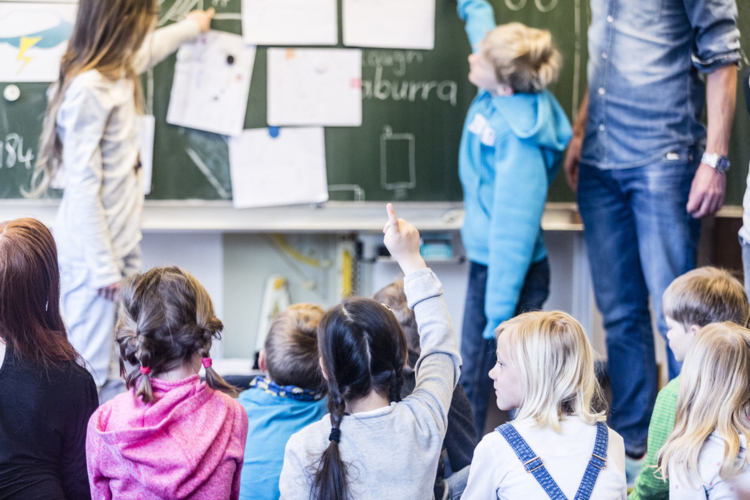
533, 464
531, 461
597, 462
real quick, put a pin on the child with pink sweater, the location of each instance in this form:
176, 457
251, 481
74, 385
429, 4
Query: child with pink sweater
171, 436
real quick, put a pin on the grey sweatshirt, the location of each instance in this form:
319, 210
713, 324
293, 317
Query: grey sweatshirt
391, 452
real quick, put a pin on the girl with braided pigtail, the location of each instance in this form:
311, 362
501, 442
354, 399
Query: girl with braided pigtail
172, 435
373, 445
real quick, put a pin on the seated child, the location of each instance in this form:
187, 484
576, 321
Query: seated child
557, 446
693, 300
287, 400
706, 455
171, 435
373, 445
461, 437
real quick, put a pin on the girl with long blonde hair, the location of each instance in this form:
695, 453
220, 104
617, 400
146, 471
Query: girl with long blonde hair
706, 454
558, 445
89, 143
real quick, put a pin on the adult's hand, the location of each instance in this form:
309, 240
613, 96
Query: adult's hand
706, 192
573, 155
111, 292
709, 186
572, 160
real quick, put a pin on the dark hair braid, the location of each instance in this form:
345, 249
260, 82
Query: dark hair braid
166, 317
363, 349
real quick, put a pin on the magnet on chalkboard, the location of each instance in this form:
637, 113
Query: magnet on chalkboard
230, 59
11, 93
273, 132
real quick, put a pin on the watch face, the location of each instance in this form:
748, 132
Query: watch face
722, 164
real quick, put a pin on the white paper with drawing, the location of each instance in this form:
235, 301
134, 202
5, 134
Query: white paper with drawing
315, 87
211, 84
287, 169
290, 22
399, 24
33, 39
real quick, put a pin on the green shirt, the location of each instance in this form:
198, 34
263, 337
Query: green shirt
648, 485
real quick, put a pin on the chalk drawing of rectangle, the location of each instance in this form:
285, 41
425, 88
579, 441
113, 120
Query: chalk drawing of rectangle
401, 147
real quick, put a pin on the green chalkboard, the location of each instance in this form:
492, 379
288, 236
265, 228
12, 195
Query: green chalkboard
410, 99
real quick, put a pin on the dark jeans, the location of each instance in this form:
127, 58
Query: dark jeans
478, 353
639, 238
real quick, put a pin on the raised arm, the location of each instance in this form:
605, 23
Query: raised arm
480, 19
439, 365
162, 42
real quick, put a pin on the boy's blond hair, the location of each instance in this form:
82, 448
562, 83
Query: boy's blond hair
706, 295
556, 363
714, 397
524, 58
393, 296
291, 347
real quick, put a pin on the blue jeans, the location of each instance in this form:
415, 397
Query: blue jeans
478, 353
639, 238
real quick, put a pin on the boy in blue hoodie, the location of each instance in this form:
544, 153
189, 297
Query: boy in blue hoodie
512, 146
285, 401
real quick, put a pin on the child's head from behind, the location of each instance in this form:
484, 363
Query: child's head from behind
362, 350
290, 352
515, 56
166, 321
697, 298
714, 396
393, 296
545, 368
30, 321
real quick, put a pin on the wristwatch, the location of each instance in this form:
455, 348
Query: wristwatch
718, 162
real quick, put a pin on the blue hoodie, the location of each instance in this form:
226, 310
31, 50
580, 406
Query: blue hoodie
511, 149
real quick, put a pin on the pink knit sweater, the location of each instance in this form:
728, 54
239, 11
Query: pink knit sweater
188, 444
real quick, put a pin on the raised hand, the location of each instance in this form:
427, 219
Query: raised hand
202, 17
402, 240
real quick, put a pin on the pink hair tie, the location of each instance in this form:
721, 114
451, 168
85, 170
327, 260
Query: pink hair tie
207, 362
145, 370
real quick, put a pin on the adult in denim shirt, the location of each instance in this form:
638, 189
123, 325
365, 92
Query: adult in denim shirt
636, 162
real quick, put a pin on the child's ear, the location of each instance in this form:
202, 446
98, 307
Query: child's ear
694, 329
262, 361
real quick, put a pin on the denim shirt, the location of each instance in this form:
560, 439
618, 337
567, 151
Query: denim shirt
646, 91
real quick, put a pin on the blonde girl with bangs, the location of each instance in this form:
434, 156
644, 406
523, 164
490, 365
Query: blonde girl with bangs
558, 445
706, 455
89, 143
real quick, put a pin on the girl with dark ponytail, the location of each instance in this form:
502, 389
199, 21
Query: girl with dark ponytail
172, 435
373, 445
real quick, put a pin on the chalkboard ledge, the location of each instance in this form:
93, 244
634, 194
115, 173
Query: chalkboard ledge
331, 217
